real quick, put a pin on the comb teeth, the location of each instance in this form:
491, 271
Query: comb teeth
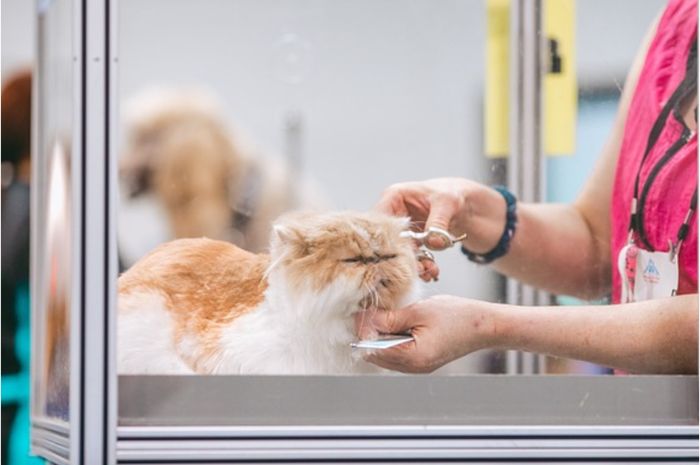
384, 342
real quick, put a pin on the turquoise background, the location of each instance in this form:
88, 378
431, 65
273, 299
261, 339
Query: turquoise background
15, 388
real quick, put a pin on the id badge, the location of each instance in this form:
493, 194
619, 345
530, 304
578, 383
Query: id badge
657, 276
646, 275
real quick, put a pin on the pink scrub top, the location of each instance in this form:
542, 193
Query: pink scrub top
669, 196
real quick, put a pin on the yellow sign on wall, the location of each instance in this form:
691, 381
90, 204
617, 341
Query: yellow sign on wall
496, 81
559, 86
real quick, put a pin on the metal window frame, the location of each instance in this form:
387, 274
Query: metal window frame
89, 437
389, 443
494, 417
526, 161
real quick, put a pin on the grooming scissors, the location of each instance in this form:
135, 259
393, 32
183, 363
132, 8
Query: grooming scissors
448, 240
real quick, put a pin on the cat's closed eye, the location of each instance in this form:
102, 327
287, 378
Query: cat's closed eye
373, 259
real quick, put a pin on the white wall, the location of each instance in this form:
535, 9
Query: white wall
17, 34
608, 34
607, 31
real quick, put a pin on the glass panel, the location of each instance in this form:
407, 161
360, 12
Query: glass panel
325, 104
55, 232
236, 111
241, 110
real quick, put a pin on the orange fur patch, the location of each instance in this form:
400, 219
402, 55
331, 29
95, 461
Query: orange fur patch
206, 285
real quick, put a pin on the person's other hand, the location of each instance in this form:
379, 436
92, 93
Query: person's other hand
444, 328
453, 204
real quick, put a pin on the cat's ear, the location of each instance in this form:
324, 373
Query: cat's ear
286, 235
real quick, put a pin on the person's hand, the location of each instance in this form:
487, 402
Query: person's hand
453, 204
444, 328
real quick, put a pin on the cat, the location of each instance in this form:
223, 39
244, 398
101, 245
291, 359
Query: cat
200, 306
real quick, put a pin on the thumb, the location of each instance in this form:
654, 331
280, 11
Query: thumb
442, 210
393, 321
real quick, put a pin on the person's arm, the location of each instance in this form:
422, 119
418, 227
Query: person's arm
655, 336
564, 249
585, 232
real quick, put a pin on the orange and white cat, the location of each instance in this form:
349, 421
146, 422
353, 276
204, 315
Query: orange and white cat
208, 307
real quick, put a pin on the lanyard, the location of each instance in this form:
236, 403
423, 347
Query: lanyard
685, 227
684, 89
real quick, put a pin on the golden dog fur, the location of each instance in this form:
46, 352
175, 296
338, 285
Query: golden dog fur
179, 148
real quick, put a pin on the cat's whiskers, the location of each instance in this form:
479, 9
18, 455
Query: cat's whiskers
361, 326
365, 303
369, 297
368, 306
375, 296
379, 299
274, 264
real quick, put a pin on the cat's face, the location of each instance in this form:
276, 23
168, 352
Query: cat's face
357, 257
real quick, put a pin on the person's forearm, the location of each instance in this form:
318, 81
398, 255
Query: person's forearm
656, 336
553, 247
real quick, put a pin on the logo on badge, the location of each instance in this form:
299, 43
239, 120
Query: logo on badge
651, 273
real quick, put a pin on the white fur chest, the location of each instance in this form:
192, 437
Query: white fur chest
310, 334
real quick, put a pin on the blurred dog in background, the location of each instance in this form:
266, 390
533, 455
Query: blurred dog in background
206, 181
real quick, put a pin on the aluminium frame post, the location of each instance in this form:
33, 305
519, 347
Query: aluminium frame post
98, 384
526, 159
87, 436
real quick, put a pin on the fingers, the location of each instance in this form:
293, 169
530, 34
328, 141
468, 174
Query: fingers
392, 202
363, 324
394, 359
405, 358
410, 357
442, 210
424, 275
393, 321
372, 322
428, 270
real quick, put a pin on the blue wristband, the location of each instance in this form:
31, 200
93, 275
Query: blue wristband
504, 243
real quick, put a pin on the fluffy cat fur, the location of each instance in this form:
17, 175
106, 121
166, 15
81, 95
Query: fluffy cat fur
209, 307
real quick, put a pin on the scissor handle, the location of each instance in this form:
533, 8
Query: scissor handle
448, 240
